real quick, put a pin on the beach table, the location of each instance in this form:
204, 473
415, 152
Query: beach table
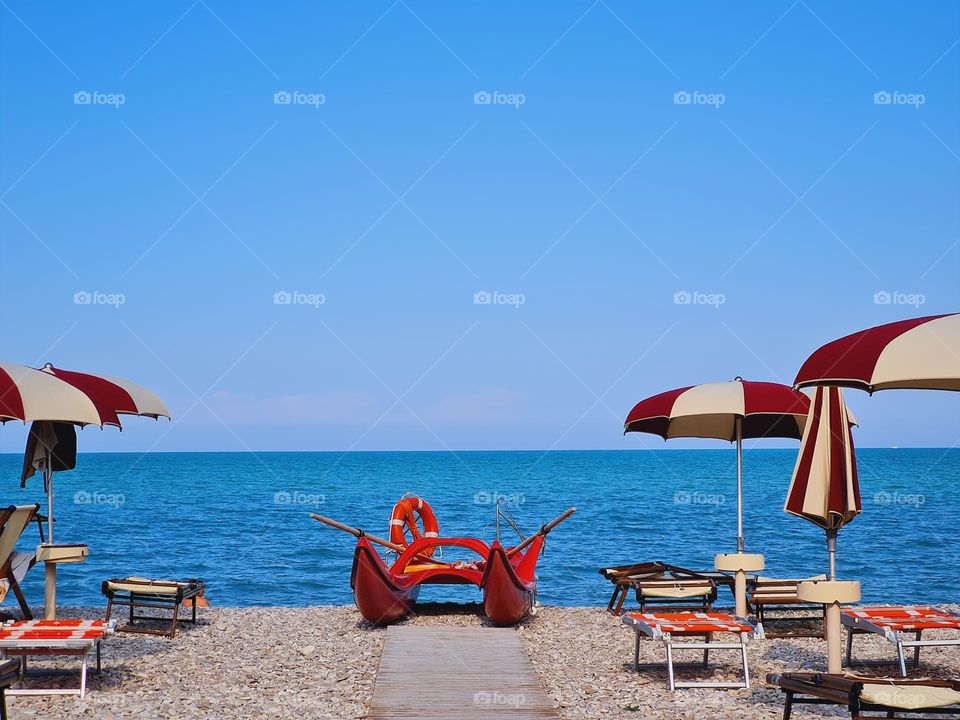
140, 592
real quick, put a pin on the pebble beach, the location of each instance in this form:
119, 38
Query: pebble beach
321, 662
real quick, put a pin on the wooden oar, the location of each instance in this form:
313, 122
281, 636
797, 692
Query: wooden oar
542, 531
356, 532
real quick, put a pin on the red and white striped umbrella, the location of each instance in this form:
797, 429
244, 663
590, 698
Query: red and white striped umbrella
824, 488
728, 411
52, 396
921, 353
28, 394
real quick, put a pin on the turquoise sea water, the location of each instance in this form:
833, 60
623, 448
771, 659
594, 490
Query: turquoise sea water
240, 521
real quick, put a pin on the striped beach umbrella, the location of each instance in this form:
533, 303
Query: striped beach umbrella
920, 353
728, 411
56, 400
824, 488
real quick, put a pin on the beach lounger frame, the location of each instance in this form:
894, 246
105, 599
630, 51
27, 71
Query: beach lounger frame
870, 620
9, 674
669, 628
662, 583
144, 593
826, 689
14, 565
772, 597
40, 643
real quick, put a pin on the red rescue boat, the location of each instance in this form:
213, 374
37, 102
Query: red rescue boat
384, 594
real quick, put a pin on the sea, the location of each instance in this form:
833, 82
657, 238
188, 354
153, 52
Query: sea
241, 521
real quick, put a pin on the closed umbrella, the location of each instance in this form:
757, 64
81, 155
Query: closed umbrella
824, 488
825, 491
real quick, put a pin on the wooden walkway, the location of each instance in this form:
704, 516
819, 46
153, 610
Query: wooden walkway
457, 673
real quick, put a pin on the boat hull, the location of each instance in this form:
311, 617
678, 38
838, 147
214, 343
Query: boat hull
507, 598
380, 600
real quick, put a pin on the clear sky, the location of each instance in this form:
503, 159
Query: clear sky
590, 165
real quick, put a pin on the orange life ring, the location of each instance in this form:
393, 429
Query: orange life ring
404, 518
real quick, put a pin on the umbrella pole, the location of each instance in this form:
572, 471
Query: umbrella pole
740, 541
832, 553
50, 569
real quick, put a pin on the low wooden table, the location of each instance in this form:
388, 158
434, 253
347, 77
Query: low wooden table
135, 592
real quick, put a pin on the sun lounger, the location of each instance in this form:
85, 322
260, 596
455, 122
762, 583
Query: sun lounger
670, 627
659, 586
135, 592
861, 695
894, 622
774, 598
14, 565
26, 638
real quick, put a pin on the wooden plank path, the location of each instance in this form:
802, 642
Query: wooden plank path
457, 673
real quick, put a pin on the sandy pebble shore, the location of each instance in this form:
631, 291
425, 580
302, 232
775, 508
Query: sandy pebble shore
321, 662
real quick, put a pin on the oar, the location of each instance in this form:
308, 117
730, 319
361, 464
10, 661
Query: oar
542, 531
356, 532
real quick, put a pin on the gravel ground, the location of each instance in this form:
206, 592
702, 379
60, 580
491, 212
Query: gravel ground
321, 662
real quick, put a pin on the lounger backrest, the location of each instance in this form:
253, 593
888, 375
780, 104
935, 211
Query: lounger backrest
16, 521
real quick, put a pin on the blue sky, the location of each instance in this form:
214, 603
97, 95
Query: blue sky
781, 199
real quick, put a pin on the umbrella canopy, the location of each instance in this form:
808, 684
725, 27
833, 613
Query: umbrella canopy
727, 411
113, 396
714, 410
824, 488
51, 398
28, 394
921, 353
